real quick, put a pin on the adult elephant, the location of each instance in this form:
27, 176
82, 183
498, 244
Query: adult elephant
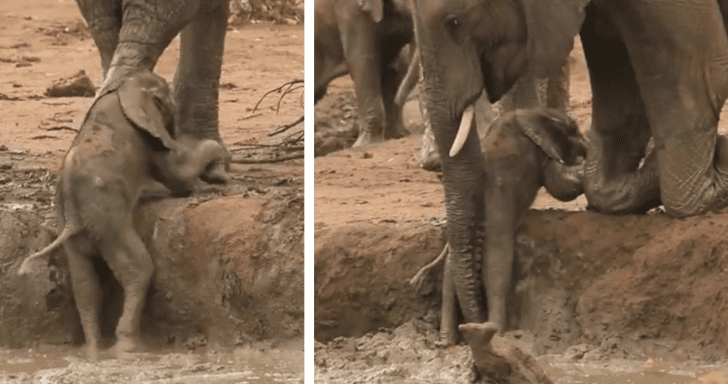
363, 38
132, 34
654, 71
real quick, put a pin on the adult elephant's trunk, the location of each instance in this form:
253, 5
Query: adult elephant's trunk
146, 30
463, 179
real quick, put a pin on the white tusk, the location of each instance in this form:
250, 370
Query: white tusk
465, 123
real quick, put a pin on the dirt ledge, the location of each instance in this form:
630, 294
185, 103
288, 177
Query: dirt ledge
229, 265
582, 277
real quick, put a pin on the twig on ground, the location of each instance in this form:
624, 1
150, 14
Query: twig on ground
288, 90
266, 161
293, 138
286, 127
58, 128
282, 145
250, 116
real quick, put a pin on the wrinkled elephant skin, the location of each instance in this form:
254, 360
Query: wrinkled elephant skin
364, 38
132, 34
126, 142
654, 72
523, 151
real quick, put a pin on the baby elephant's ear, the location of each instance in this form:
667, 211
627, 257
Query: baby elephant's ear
144, 102
549, 129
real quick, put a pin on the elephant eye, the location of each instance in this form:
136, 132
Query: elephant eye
451, 22
452, 25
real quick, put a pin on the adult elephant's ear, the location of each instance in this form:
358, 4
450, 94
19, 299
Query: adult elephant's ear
374, 7
147, 111
552, 26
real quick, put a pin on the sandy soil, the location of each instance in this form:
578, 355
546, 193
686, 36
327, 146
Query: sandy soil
259, 216
627, 291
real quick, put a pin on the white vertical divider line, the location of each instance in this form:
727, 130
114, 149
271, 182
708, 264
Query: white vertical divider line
308, 238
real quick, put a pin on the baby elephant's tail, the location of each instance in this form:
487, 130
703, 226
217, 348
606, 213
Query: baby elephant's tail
26, 267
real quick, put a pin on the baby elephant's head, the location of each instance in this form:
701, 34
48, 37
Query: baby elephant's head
147, 102
210, 154
554, 132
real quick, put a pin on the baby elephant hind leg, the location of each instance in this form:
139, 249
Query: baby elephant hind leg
86, 291
129, 260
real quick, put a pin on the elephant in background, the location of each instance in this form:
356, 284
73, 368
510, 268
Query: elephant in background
654, 72
522, 151
127, 142
132, 34
364, 38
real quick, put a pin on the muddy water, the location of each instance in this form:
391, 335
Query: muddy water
564, 371
255, 365
409, 354
557, 369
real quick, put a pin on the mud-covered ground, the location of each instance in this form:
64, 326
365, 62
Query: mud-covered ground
599, 299
247, 236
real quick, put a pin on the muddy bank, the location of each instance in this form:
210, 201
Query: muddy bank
229, 264
259, 363
581, 277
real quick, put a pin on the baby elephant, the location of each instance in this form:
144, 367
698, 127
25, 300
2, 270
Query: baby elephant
523, 150
126, 142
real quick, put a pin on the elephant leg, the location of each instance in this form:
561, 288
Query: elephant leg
147, 28
104, 20
197, 77
86, 291
129, 260
448, 315
682, 78
393, 129
328, 54
393, 75
411, 77
500, 219
361, 50
613, 181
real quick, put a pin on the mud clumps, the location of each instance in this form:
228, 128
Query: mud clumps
336, 126
411, 353
77, 85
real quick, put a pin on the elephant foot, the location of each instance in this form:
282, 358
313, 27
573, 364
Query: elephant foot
447, 339
127, 348
396, 131
367, 138
487, 362
502, 362
92, 353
